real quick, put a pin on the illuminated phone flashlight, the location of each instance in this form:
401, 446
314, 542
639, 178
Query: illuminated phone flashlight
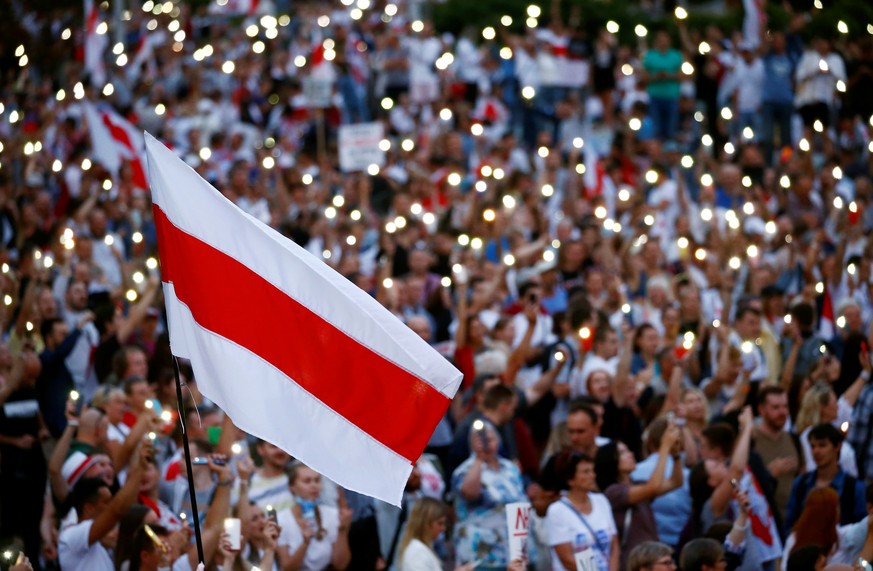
845, 427
585, 333
74, 395
787, 320
688, 341
559, 356
167, 417
183, 516
478, 425
152, 436
236, 449
747, 347
822, 349
149, 404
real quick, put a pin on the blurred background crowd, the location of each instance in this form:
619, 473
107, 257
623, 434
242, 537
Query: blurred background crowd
643, 239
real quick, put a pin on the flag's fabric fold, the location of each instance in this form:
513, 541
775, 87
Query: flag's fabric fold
296, 354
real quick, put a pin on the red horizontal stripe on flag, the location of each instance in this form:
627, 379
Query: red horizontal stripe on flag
227, 298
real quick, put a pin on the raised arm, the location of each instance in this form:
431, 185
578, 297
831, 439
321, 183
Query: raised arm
655, 485
59, 486
342, 555
739, 460
118, 506
139, 310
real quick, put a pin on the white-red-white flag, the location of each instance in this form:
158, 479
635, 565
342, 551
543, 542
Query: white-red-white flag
292, 351
95, 47
144, 56
116, 141
827, 322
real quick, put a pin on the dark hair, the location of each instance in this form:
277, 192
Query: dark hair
699, 552
567, 468
606, 466
525, 287
639, 333
86, 491
804, 314
768, 390
104, 314
143, 542
826, 431
119, 360
130, 522
47, 326
601, 333
804, 558
580, 405
721, 436
745, 309
497, 395
128, 384
698, 485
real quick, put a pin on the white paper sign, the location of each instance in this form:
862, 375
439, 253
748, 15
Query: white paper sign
518, 524
318, 92
359, 146
586, 560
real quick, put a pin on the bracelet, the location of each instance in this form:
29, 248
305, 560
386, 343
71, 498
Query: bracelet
739, 528
244, 483
225, 483
73, 423
865, 375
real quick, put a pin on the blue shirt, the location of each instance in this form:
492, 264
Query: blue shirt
673, 509
778, 75
806, 482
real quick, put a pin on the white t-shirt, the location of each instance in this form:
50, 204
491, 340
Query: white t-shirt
419, 557
319, 552
564, 525
75, 553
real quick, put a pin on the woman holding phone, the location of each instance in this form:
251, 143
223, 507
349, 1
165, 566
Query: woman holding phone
485, 483
313, 536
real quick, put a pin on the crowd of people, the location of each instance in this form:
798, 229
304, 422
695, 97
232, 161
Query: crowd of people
649, 260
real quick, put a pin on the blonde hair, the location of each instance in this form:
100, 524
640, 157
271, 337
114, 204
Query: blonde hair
105, 394
424, 512
559, 439
809, 414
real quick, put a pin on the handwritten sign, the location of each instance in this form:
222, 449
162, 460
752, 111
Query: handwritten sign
586, 560
518, 523
359, 146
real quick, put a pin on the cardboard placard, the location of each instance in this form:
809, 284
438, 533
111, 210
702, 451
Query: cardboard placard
518, 523
586, 560
359, 146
